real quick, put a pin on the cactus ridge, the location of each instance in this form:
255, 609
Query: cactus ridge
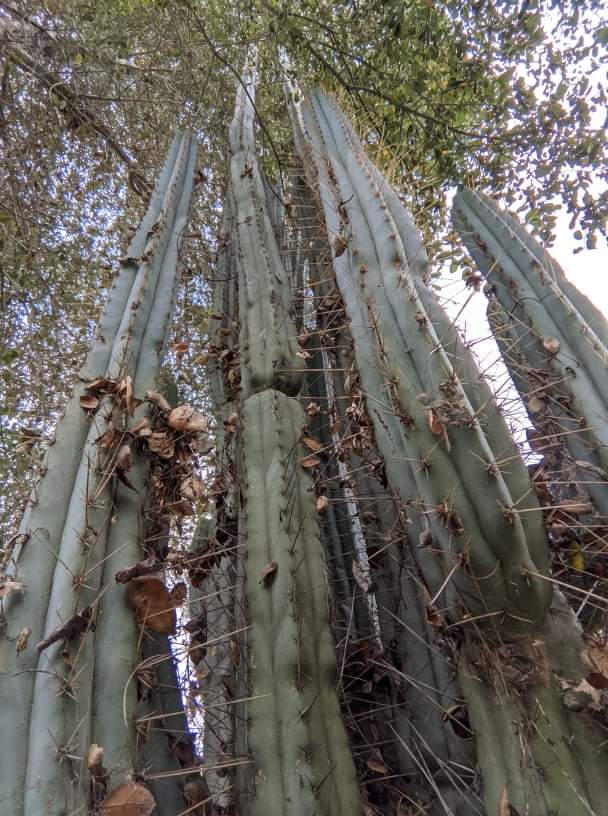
300, 756
501, 545
69, 540
507, 263
421, 685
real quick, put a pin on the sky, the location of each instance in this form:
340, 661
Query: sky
588, 270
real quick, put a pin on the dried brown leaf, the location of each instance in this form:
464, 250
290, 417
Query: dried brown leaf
595, 655
89, 402
162, 445
234, 652
179, 594
102, 385
340, 244
312, 409
108, 439
151, 601
435, 424
79, 624
312, 444
129, 799
597, 680
124, 460
145, 567
22, 638
185, 418
157, 399
269, 572
377, 765
322, 504
310, 462
192, 488
125, 390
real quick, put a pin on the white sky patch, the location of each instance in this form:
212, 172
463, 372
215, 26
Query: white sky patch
588, 270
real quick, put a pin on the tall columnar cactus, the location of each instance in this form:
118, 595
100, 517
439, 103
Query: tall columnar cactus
268, 345
475, 526
297, 738
434, 418
297, 741
322, 333
82, 525
216, 596
406, 692
552, 338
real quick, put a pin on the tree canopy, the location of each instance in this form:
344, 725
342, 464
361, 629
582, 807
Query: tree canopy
508, 97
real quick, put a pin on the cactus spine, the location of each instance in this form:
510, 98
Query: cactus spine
81, 526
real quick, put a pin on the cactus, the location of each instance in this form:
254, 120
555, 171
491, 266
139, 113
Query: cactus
408, 682
297, 742
552, 338
296, 736
268, 346
434, 419
82, 525
449, 458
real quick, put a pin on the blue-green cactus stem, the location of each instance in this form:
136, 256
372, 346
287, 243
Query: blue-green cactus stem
297, 738
268, 345
552, 338
410, 380
69, 539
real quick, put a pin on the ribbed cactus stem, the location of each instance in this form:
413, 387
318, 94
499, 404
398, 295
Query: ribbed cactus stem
441, 435
416, 687
560, 767
78, 530
268, 343
297, 738
299, 749
552, 338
